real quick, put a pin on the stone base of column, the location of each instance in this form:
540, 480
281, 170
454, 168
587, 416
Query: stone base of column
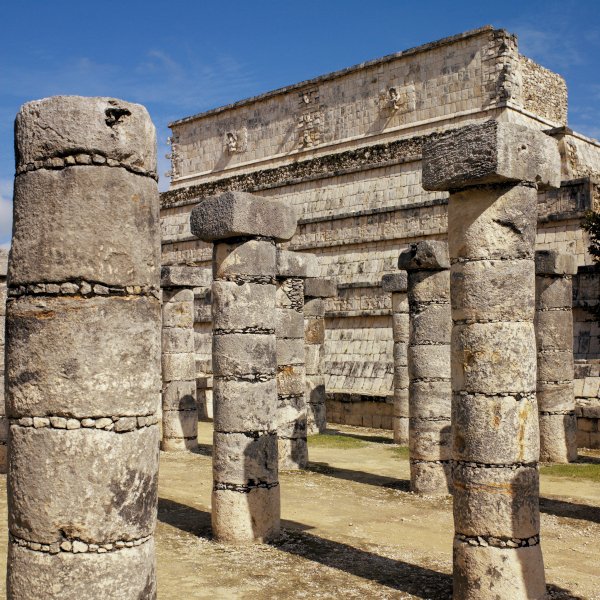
484, 572
431, 477
558, 437
293, 454
180, 430
113, 575
246, 516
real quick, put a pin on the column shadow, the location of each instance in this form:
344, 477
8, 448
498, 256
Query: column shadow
360, 476
571, 510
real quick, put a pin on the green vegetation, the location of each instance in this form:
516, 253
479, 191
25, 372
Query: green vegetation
400, 452
579, 470
334, 440
591, 224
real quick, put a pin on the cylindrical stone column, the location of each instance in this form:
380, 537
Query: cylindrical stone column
430, 392
3, 419
179, 407
83, 352
554, 336
492, 171
316, 290
396, 283
244, 229
292, 270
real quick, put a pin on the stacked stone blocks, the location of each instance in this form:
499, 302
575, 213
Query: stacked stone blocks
430, 394
83, 352
492, 171
244, 230
3, 420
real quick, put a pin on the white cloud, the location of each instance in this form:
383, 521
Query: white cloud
5, 212
548, 47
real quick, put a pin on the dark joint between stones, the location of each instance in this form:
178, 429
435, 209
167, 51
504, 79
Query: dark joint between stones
82, 159
512, 466
250, 377
429, 419
242, 279
420, 461
498, 542
458, 261
494, 186
429, 343
554, 382
518, 396
75, 546
87, 289
565, 309
549, 413
478, 321
290, 396
258, 330
243, 489
115, 424
430, 379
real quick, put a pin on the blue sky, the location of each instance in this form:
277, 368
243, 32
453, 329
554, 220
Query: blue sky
182, 57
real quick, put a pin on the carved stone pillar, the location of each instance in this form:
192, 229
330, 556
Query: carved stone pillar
3, 419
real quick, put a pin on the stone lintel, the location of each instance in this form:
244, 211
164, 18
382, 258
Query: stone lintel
318, 287
429, 255
490, 153
239, 214
395, 282
552, 262
184, 276
296, 264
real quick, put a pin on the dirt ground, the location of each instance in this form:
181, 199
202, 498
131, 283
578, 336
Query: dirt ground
351, 529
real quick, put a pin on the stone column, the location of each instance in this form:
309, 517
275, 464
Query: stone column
430, 392
292, 269
315, 292
554, 336
244, 229
179, 407
492, 170
83, 352
3, 419
396, 283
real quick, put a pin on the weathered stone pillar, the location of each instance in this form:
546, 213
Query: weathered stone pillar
292, 269
83, 352
244, 229
430, 392
315, 292
3, 419
492, 171
179, 408
396, 283
554, 336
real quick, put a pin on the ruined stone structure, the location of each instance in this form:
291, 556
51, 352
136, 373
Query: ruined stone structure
397, 284
493, 171
3, 420
345, 149
83, 277
243, 230
429, 396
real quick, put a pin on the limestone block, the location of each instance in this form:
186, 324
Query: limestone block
314, 307
429, 286
492, 358
495, 429
69, 125
291, 380
289, 323
499, 502
498, 223
490, 152
558, 438
400, 354
184, 276
428, 255
178, 367
431, 324
484, 572
244, 405
296, 264
107, 362
430, 478
91, 495
245, 458
553, 262
400, 304
401, 402
315, 389
178, 314
180, 423
555, 366
293, 453
553, 292
179, 395
177, 296
555, 397
178, 444
3, 262
314, 331
177, 339
554, 330
494, 290
246, 517
237, 214
400, 327
313, 359
400, 427
125, 573
290, 351
430, 399
315, 287
316, 418
252, 258
85, 244
429, 362
243, 307
394, 282
401, 378
244, 354
430, 439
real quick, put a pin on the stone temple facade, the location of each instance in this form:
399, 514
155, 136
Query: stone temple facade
345, 150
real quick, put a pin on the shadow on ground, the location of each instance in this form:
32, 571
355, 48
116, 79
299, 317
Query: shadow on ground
360, 476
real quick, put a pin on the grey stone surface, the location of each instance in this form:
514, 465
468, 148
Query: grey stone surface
244, 354
558, 437
70, 125
431, 478
290, 352
429, 255
490, 152
394, 282
552, 262
3, 262
242, 308
184, 276
296, 264
291, 380
289, 323
238, 214
316, 287
253, 258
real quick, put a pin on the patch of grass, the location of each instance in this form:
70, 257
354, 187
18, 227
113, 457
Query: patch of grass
400, 451
589, 471
333, 440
